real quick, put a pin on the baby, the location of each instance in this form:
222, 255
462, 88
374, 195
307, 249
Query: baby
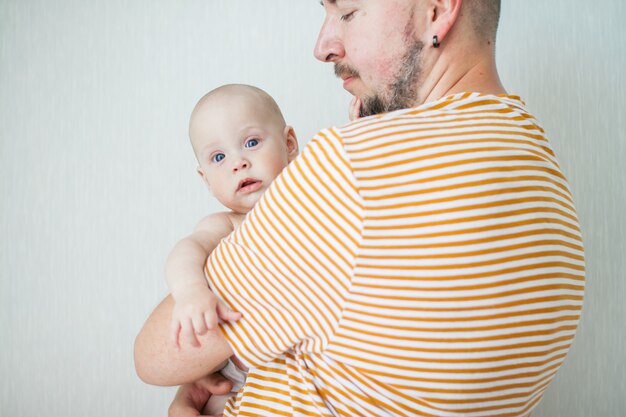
242, 143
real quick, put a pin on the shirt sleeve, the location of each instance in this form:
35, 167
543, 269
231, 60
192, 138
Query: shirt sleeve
289, 267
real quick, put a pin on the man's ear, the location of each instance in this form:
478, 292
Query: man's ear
200, 172
442, 16
292, 142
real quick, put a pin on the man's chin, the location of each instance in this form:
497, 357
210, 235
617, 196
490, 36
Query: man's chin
372, 106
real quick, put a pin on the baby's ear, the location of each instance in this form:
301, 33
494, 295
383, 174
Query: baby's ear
200, 172
291, 141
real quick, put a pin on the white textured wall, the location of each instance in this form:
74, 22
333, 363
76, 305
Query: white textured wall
97, 179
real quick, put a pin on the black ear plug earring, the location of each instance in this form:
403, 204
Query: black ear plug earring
436, 41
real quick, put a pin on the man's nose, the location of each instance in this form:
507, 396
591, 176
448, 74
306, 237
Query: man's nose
240, 164
329, 47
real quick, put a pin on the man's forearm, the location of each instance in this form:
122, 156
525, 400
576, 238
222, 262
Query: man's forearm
158, 362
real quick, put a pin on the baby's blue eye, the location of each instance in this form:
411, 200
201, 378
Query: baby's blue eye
217, 157
251, 143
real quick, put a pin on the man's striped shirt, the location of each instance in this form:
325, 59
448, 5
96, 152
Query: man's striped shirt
425, 262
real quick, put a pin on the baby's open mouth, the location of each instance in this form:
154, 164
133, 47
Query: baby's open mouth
249, 185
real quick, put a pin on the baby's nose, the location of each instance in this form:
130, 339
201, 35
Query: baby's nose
241, 164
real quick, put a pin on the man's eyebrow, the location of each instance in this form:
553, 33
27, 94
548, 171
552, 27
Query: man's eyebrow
328, 1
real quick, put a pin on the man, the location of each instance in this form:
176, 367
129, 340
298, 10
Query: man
423, 261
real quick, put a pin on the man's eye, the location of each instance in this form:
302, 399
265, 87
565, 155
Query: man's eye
347, 17
217, 157
251, 143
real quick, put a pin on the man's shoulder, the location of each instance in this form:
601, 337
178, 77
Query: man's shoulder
458, 109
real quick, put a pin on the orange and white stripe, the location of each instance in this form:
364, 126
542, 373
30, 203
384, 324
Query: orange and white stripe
426, 262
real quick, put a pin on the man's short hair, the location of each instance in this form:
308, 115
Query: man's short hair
485, 17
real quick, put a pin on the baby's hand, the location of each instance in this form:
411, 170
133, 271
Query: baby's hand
355, 108
196, 311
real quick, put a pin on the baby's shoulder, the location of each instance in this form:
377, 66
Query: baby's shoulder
222, 222
235, 218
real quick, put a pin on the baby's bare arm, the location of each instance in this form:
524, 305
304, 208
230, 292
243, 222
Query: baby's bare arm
196, 309
185, 264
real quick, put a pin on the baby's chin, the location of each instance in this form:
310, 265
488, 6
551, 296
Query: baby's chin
243, 208
242, 203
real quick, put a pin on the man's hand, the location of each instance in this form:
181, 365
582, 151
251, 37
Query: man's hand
355, 108
191, 398
196, 311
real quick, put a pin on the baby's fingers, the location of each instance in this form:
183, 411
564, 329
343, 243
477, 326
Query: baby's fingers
174, 331
199, 324
187, 333
225, 313
210, 318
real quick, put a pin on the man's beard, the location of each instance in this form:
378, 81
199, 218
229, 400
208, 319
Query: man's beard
402, 92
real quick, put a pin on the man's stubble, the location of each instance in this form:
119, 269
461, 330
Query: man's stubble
402, 92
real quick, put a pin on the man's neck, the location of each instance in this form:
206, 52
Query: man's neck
479, 76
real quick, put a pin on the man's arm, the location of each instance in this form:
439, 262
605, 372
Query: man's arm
158, 362
287, 270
